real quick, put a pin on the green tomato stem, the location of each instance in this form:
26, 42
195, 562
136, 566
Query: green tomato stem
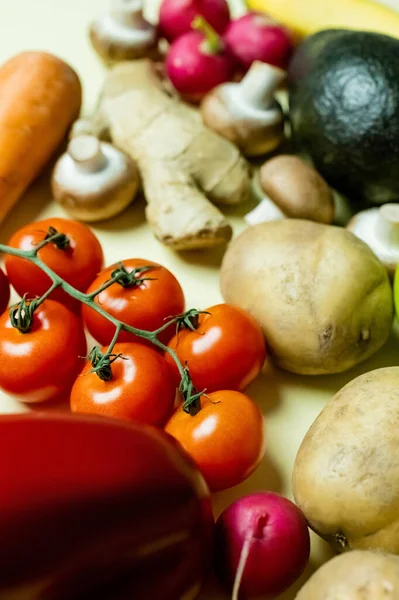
88, 300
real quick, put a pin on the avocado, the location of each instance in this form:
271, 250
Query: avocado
344, 111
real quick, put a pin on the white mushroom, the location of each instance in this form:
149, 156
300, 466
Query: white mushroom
93, 180
379, 229
124, 34
291, 188
247, 113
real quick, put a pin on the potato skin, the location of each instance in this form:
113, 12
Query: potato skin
321, 295
346, 472
355, 576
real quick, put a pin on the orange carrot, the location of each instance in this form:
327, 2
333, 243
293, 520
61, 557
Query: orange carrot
40, 96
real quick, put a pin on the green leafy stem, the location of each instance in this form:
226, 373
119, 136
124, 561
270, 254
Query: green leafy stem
22, 315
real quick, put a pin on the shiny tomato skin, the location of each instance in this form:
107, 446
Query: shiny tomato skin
226, 351
142, 388
145, 306
4, 292
225, 438
77, 265
43, 363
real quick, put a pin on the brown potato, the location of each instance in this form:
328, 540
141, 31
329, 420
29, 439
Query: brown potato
322, 297
355, 576
346, 473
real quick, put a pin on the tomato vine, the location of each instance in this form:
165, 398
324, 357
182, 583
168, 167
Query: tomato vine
22, 313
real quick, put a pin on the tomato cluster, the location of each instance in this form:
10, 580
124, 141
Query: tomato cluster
44, 354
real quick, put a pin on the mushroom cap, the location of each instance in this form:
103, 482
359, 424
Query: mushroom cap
379, 229
297, 189
124, 34
93, 180
255, 132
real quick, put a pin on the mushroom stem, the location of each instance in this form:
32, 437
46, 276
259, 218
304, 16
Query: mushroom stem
128, 12
266, 210
260, 83
86, 152
387, 224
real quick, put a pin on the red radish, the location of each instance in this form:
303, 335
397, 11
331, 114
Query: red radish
262, 545
197, 62
176, 16
256, 36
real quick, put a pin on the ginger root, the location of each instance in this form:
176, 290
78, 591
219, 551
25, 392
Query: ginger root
183, 164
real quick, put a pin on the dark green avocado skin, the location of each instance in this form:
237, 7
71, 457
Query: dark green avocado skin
344, 110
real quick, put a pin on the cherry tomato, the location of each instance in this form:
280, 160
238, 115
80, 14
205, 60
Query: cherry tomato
43, 363
155, 296
226, 350
77, 264
4, 292
142, 387
225, 438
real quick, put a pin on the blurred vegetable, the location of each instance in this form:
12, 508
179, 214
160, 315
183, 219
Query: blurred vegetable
176, 17
185, 166
322, 297
95, 508
68, 247
262, 545
124, 34
356, 575
307, 17
41, 350
345, 476
255, 36
197, 62
94, 180
136, 384
223, 348
4, 292
40, 96
293, 189
348, 134
223, 433
145, 296
379, 229
247, 113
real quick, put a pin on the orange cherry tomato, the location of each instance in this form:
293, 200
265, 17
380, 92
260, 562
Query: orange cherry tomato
226, 350
142, 387
43, 363
4, 292
146, 304
78, 263
225, 438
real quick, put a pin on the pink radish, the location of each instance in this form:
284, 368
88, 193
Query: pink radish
197, 62
256, 36
176, 16
262, 545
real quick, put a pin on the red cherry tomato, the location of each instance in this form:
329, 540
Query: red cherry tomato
155, 296
225, 438
226, 350
43, 363
4, 292
77, 264
142, 387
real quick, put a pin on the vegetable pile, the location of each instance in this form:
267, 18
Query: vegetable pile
113, 499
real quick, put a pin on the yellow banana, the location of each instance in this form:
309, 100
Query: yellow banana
305, 17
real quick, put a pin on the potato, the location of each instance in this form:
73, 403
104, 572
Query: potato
346, 473
322, 297
355, 576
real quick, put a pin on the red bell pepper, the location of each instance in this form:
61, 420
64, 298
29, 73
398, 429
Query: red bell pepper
93, 508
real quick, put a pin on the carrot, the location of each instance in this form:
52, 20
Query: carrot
40, 96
